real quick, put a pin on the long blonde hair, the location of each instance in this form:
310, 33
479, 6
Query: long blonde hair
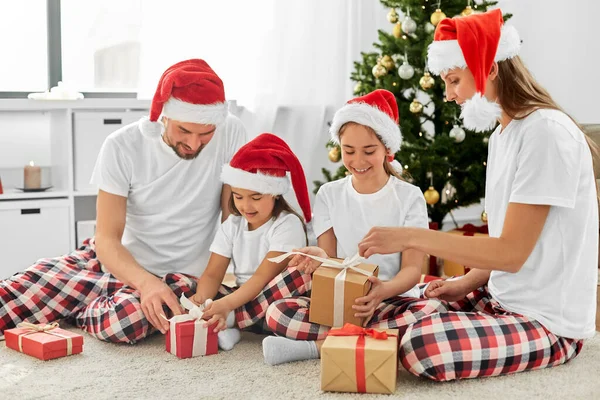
520, 94
387, 166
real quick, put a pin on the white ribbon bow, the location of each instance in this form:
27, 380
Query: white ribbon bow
340, 279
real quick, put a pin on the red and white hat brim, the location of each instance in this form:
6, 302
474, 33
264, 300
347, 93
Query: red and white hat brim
365, 114
444, 55
258, 182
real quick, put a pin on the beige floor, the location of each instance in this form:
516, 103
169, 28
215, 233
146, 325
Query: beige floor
146, 371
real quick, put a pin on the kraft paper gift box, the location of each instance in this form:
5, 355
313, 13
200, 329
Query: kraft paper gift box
336, 284
43, 341
187, 336
355, 359
452, 268
334, 291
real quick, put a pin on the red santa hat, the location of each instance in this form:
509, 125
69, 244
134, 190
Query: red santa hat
261, 165
377, 110
474, 42
188, 91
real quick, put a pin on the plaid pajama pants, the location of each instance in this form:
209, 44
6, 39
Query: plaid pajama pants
75, 287
478, 338
290, 317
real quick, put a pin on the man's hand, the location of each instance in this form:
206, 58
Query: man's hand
153, 294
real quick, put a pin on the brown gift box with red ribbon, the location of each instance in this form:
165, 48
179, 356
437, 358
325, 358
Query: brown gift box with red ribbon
43, 341
355, 359
452, 268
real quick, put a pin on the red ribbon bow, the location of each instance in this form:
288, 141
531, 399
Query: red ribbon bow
471, 229
353, 330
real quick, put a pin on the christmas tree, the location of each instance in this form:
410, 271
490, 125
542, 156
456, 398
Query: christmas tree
444, 159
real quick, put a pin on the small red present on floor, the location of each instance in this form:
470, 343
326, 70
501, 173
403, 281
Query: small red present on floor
43, 341
187, 336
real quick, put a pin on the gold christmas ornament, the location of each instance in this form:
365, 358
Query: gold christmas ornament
484, 217
335, 155
388, 63
466, 12
358, 88
379, 71
397, 31
392, 16
415, 107
426, 81
431, 195
437, 16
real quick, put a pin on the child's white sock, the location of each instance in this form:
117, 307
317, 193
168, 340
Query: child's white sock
279, 350
230, 321
228, 338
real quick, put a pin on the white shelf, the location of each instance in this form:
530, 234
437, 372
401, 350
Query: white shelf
14, 194
85, 104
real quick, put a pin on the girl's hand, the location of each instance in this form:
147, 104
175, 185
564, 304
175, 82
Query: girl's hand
366, 305
217, 312
446, 290
197, 299
382, 240
306, 264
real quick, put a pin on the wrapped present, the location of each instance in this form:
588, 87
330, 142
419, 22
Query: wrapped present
452, 268
187, 336
336, 284
43, 341
355, 359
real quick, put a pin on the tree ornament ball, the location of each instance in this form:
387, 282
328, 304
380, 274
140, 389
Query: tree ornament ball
484, 217
415, 107
466, 12
457, 133
486, 140
409, 26
388, 63
406, 71
397, 31
392, 16
431, 195
379, 71
426, 81
358, 88
335, 155
437, 16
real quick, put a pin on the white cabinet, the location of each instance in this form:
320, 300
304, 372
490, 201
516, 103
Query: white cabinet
30, 230
90, 129
64, 137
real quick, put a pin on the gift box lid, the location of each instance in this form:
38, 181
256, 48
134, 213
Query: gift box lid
351, 275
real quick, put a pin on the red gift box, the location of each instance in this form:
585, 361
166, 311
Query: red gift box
43, 341
187, 337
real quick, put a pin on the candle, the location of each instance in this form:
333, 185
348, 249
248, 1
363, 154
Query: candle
32, 177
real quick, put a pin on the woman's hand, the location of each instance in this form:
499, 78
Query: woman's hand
447, 290
306, 264
366, 305
383, 240
217, 312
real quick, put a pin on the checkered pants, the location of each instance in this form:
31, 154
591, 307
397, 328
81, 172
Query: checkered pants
477, 338
290, 317
75, 287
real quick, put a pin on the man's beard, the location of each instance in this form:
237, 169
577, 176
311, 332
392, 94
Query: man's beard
177, 149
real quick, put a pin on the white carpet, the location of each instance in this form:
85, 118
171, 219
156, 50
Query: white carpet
145, 370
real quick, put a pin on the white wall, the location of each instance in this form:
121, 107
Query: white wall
561, 46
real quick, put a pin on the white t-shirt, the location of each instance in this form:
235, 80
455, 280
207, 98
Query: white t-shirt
544, 159
351, 215
173, 205
247, 249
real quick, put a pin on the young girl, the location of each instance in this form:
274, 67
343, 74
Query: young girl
531, 300
373, 194
262, 225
